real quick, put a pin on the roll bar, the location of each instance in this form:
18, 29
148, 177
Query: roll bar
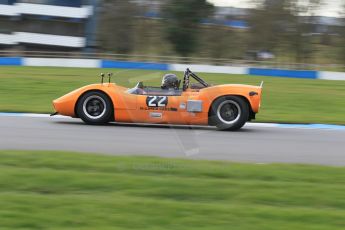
187, 74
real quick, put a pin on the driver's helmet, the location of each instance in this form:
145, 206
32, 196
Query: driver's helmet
169, 81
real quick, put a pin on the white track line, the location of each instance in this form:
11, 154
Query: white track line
30, 115
263, 125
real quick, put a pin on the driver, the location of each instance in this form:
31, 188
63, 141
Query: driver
170, 82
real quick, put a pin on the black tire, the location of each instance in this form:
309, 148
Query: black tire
95, 108
229, 113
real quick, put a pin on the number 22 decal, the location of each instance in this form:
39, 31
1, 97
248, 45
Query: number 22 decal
156, 101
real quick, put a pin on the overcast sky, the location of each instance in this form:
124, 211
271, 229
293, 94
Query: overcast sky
330, 8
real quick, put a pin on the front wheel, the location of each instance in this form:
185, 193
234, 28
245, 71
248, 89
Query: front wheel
95, 108
229, 113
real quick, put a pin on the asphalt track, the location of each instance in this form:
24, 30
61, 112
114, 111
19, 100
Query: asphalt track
259, 143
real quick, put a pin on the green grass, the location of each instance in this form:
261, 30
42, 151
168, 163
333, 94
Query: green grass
31, 89
60, 190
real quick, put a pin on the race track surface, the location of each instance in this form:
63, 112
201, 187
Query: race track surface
260, 143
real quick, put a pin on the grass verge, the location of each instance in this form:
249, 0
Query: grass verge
60, 190
31, 89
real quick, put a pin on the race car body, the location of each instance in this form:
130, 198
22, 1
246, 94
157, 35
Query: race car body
227, 106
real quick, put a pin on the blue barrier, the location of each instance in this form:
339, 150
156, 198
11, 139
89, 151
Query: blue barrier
134, 65
309, 74
96, 63
11, 61
70, 3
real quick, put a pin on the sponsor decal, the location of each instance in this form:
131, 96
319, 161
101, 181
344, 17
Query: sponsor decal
156, 115
183, 105
158, 109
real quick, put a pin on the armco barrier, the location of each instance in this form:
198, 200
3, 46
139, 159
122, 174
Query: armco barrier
133, 65
62, 62
327, 75
96, 63
11, 61
209, 68
284, 73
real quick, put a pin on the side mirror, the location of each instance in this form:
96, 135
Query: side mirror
109, 76
102, 76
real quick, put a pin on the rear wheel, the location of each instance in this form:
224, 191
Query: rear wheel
229, 113
95, 108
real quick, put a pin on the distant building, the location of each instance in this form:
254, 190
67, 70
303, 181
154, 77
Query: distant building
225, 13
151, 5
226, 16
47, 24
325, 25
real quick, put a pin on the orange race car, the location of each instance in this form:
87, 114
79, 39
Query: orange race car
227, 106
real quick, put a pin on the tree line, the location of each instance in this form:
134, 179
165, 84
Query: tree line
283, 27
